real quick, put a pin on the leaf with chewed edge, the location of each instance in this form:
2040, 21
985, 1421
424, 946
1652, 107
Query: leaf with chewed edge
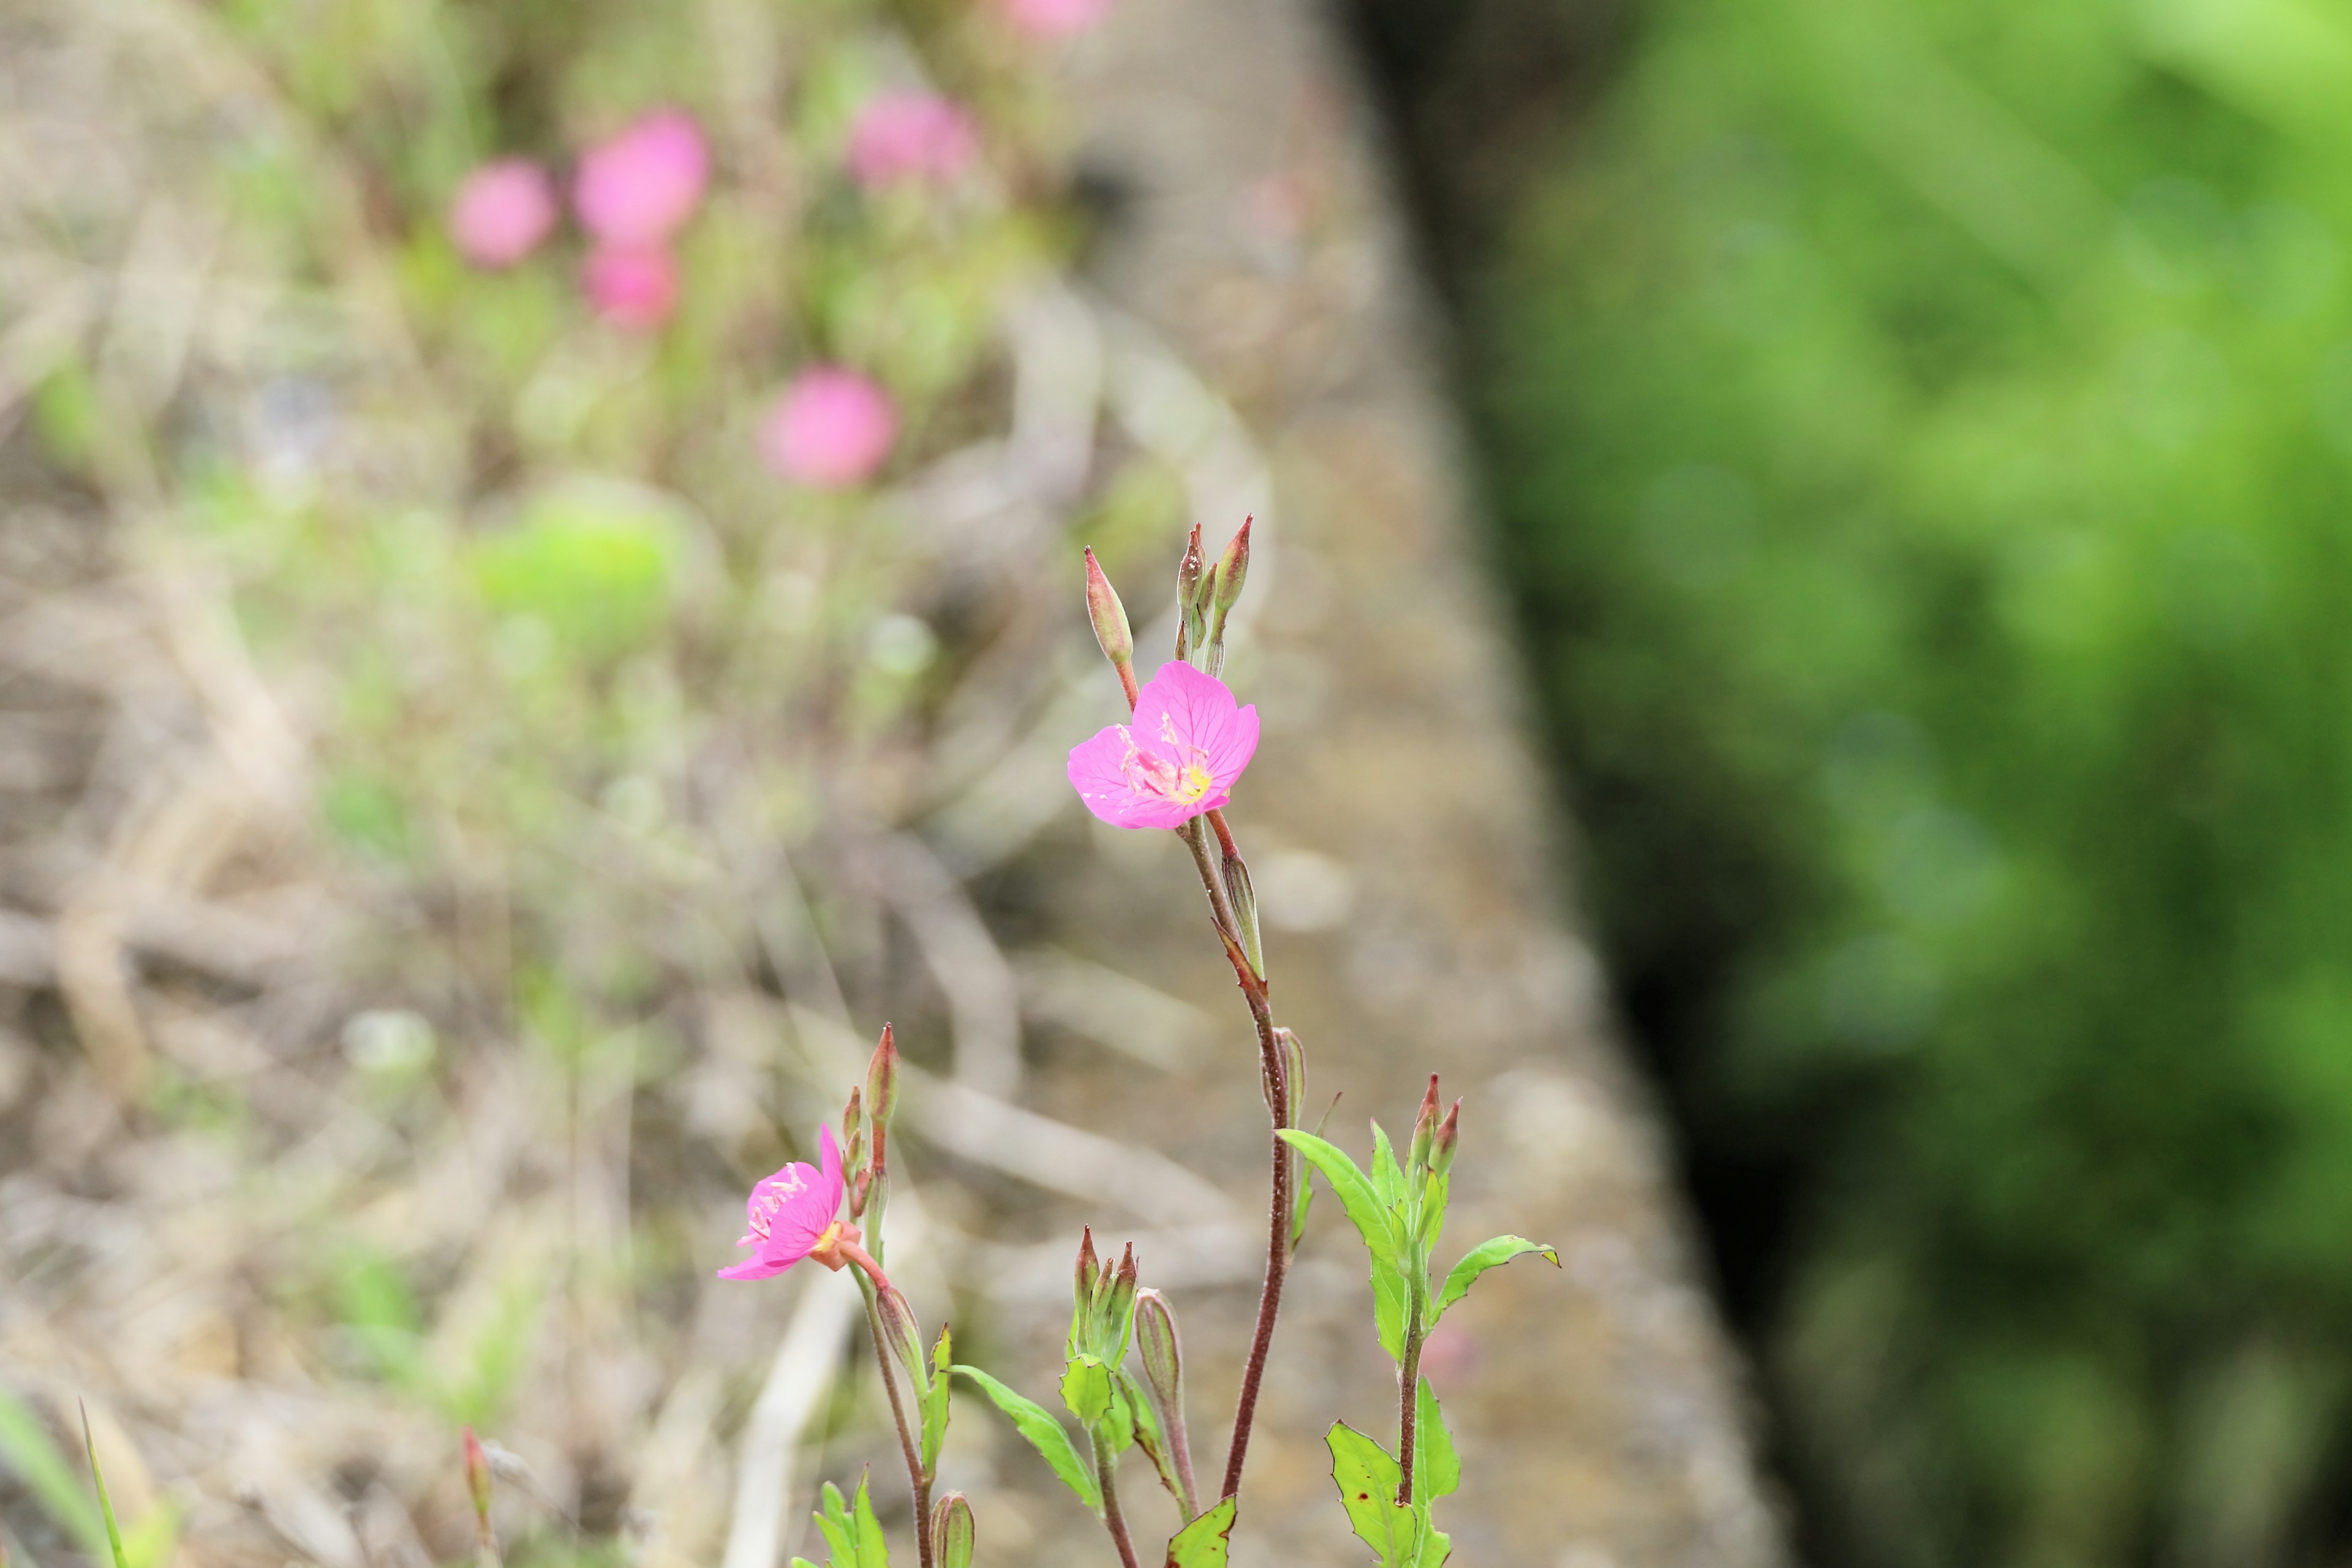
1205, 1542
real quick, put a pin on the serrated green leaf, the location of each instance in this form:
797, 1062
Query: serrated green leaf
1374, 1222
1485, 1255
873, 1550
1368, 1478
1205, 1542
105, 1505
1436, 1467
1086, 1390
1044, 1434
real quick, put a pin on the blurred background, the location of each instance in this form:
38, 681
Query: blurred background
538, 555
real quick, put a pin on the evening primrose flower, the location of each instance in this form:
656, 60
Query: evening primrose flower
633, 289
795, 1214
501, 211
1178, 757
831, 429
906, 136
636, 188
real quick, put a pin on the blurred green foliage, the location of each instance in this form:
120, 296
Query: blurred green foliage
1925, 447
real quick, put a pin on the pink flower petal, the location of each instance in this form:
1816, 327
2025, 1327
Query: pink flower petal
635, 189
754, 1268
1177, 758
501, 212
904, 136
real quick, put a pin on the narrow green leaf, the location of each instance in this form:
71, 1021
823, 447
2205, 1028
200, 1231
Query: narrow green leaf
1485, 1255
934, 1403
1149, 1438
1368, 1476
873, 1550
1436, 1467
802, 1563
1375, 1223
1044, 1434
46, 1472
1388, 1176
1205, 1542
105, 1505
840, 1534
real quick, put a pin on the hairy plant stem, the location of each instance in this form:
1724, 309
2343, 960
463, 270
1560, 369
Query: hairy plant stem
921, 1482
1106, 1476
1272, 1069
1408, 1404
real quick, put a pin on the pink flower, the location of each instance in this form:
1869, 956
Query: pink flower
1054, 18
635, 290
903, 136
1179, 757
832, 428
795, 1215
635, 189
501, 211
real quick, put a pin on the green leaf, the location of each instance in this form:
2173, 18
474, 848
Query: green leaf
1436, 1546
1205, 1542
1388, 1176
934, 1403
1436, 1467
1485, 1255
840, 1533
873, 1550
1044, 1434
1149, 1435
1086, 1390
1374, 1222
1368, 1478
105, 1505
46, 1473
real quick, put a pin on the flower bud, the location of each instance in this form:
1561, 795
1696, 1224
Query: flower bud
901, 1333
1084, 1285
1449, 1131
1245, 902
477, 1478
1192, 626
1233, 570
1109, 618
1162, 1353
1119, 1309
952, 1530
1424, 1131
1294, 1077
882, 1082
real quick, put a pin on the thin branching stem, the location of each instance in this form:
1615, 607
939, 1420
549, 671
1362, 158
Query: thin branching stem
1106, 1477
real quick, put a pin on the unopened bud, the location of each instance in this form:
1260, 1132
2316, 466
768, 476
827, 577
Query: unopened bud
477, 1478
1109, 618
1424, 1130
1162, 1350
1119, 1309
1218, 594
952, 1530
1083, 1287
1192, 625
1294, 1077
1449, 1132
882, 1082
901, 1333
1245, 902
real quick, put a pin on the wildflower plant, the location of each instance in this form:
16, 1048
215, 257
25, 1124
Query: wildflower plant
1171, 766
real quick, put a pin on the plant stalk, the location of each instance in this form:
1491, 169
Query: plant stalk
921, 1482
1408, 1404
1106, 1476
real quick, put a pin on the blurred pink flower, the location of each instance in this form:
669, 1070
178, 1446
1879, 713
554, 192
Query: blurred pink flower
636, 188
1054, 18
635, 290
1179, 757
501, 211
794, 1215
832, 428
910, 136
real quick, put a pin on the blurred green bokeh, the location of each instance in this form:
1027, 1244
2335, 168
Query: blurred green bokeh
1923, 440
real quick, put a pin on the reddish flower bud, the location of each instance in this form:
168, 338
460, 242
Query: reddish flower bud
1424, 1130
477, 1478
1192, 626
1449, 1132
1109, 619
882, 1081
1119, 1309
952, 1530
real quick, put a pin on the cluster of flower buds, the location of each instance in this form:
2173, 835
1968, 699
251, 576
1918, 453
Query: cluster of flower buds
1206, 596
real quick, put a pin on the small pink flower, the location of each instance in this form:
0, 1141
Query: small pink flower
501, 211
635, 189
831, 429
635, 290
794, 1214
903, 136
1179, 757
1054, 18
